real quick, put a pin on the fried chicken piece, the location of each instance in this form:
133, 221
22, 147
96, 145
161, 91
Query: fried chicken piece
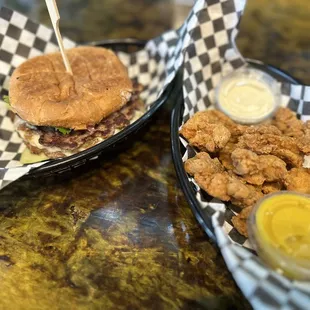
215, 184
303, 141
241, 194
263, 129
256, 169
211, 177
227, 187
245, 161
203, 134
291, 158
287, 122
266, 122
203, 163
271, 187
281, 146
272, 167
298, 179
291, 126
266, 143
234, 128
225, 155
240, 221
198, 121
208, 173
254, 179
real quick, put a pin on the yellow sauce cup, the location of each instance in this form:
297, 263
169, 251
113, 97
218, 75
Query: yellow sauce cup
279, 230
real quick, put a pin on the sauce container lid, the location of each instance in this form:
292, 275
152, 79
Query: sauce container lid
279, 230
248, 95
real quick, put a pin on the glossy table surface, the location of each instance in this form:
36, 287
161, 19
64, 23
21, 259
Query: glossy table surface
119, 234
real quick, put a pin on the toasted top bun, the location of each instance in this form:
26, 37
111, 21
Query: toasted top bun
44, 94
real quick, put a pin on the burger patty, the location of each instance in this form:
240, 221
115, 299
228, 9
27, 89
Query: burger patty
54, 144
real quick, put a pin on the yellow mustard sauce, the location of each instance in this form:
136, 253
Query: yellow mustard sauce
283, 228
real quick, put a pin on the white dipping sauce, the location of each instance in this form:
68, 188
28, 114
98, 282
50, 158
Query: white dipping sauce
246, 97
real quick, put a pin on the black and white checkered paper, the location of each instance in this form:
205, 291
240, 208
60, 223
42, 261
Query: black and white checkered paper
20, 39
205, 44
211, 54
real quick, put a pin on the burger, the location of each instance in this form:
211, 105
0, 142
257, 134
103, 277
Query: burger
60, 114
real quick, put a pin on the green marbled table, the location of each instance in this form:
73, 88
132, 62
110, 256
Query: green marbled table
120, 235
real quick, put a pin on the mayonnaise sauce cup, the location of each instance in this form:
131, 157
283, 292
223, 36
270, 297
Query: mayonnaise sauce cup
248, 95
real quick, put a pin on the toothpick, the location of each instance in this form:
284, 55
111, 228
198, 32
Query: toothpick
54, 15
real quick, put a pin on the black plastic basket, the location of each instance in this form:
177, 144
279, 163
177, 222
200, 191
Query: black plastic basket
117, 141
202, 215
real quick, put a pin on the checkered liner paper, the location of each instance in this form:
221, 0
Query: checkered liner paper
20, 38
210, 55
205, 44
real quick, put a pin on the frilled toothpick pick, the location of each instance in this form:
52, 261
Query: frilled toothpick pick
54, 15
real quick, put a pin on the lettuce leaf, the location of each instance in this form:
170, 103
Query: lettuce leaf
64, 131
6, 99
